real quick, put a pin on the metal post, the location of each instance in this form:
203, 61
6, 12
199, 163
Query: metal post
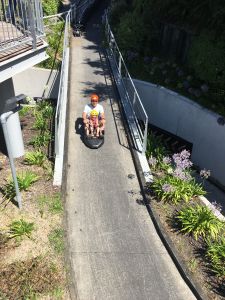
134, 99
32, 23
38, 19
144, 145
120, 64
4, 118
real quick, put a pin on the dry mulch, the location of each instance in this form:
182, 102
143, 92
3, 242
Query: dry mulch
29, 277
29, 265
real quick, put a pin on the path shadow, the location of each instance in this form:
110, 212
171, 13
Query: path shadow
79, 129
3, 148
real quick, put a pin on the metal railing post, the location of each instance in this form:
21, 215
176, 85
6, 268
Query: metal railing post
134, 99
119, 65
32, 23
145, 137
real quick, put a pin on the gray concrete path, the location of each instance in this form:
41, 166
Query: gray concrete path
114, 249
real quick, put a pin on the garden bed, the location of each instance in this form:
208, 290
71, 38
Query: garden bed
31, 238
180, 216
188, 252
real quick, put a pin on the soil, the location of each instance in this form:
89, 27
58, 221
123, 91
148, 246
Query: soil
188, 251
29, 265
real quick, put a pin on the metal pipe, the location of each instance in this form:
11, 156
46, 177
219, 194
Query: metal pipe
3, 119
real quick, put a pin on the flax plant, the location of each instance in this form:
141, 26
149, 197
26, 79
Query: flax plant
200, 221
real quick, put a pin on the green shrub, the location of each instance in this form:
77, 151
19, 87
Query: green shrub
174, 189
41, 140
23, 112
200, 221
216, 254
40, 122
37, 158
208, 65
156, 147
47, 111
50, 7
54, 34
25, 180
20, 228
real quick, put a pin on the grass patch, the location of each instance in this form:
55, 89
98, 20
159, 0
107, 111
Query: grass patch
53, 203
29, 279
56, 239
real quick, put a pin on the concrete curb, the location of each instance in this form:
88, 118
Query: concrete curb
70, 273
180, 264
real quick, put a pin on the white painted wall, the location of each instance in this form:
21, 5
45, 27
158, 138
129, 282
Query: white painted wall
188, 120
37, 82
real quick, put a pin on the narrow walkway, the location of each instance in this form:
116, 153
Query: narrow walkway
114, 249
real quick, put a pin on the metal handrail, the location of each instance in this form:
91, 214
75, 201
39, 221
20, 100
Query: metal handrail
61, 85
139, 114
74, 15
21, 21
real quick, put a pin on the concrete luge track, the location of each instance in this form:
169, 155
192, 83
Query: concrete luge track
113, 247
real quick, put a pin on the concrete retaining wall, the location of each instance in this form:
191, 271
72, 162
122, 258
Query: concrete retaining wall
188, 120
37, 82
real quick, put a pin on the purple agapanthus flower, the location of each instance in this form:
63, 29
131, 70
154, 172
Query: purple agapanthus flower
185, 154
178, 172
166, 160
182, 160
205, 173
167, 188
216, 208
152, 161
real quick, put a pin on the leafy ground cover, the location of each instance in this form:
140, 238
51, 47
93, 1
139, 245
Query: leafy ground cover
31, 239
194, 230
177, 78
168, 44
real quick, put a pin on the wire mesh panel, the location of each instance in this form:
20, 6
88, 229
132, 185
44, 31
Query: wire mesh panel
21, 21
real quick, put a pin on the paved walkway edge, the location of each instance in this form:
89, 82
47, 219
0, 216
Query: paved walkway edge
143, 181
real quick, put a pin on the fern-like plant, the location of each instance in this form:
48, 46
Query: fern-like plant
47, 111
40, 122
23, 112
19, 228
25, 180
41, 140
37, 158
200, 221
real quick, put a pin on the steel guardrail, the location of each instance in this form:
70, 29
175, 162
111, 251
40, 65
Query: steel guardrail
139, 114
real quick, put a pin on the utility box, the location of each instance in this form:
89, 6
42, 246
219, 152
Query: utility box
15, 135
14, 132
